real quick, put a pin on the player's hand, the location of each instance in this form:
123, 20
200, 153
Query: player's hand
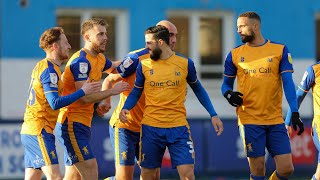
289, 129
119, 87
123, 115
217, 124
234, 98
296, 122
103, 108
91, 87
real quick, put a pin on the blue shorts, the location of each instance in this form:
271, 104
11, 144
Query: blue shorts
75, 138
258, 137
155, 140
125, 144
315, 137
39, 150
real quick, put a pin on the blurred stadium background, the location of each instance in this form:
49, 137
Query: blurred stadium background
207, 32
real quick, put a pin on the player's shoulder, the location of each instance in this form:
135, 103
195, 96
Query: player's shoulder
277, 44
43, 64
78, 57
139, 52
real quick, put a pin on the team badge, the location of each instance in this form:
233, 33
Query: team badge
151, 72
289, 58
242, 59
53, 78
83, 67
127, 62
269, 59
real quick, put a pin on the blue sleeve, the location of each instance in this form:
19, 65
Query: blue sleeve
300, 96
136, 92
192, 73
128, 65
227, 84
289, 91
57, 102
230, 70
286, 61
80, 69
139, 77
308, 80
107, 65
203, 97
49, 80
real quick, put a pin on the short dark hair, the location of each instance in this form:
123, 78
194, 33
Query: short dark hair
88, 24
49, 37
251, 15
159, 32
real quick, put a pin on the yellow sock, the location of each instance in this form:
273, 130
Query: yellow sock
274, 176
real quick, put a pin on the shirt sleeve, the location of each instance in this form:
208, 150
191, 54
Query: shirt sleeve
128, 65
286, 61
308, 80
49, 80
230, 70
80, 69
139, 77
107, 65
192, 73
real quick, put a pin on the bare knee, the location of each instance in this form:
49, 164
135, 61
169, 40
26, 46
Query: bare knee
257, 166
286, 170
186, 172
149, 174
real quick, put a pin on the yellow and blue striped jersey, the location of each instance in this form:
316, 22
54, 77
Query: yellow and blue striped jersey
39, 114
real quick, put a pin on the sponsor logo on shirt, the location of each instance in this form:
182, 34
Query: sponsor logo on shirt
127, 62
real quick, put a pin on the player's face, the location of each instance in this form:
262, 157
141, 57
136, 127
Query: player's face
153, 46
245, 29
173, 36
98, 38
64, 47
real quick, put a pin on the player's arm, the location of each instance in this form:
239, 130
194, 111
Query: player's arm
50, 88
203, 97
230, 71
307, 82
135, 94
286, 70
81, 75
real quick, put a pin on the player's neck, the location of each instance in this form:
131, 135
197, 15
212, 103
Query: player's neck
54, 58
90, 50
258, 41
166, 53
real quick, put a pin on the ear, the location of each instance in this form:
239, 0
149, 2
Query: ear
161, 42
86, 37
55, 46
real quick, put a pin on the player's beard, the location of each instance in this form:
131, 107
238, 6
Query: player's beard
63, 56
96, 48
156, 53
248, 38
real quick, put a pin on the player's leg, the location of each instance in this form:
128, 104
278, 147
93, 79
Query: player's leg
52, 172
278, 145
152, 147
71, 172
75, 138
40, 152
32, 174
254, 142
126, 147
316, 141
180, 146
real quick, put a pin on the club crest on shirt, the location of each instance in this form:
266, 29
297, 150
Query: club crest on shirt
151, 72
127, 62
289, 58
269, 59
83, 67
53, 78
242, 59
